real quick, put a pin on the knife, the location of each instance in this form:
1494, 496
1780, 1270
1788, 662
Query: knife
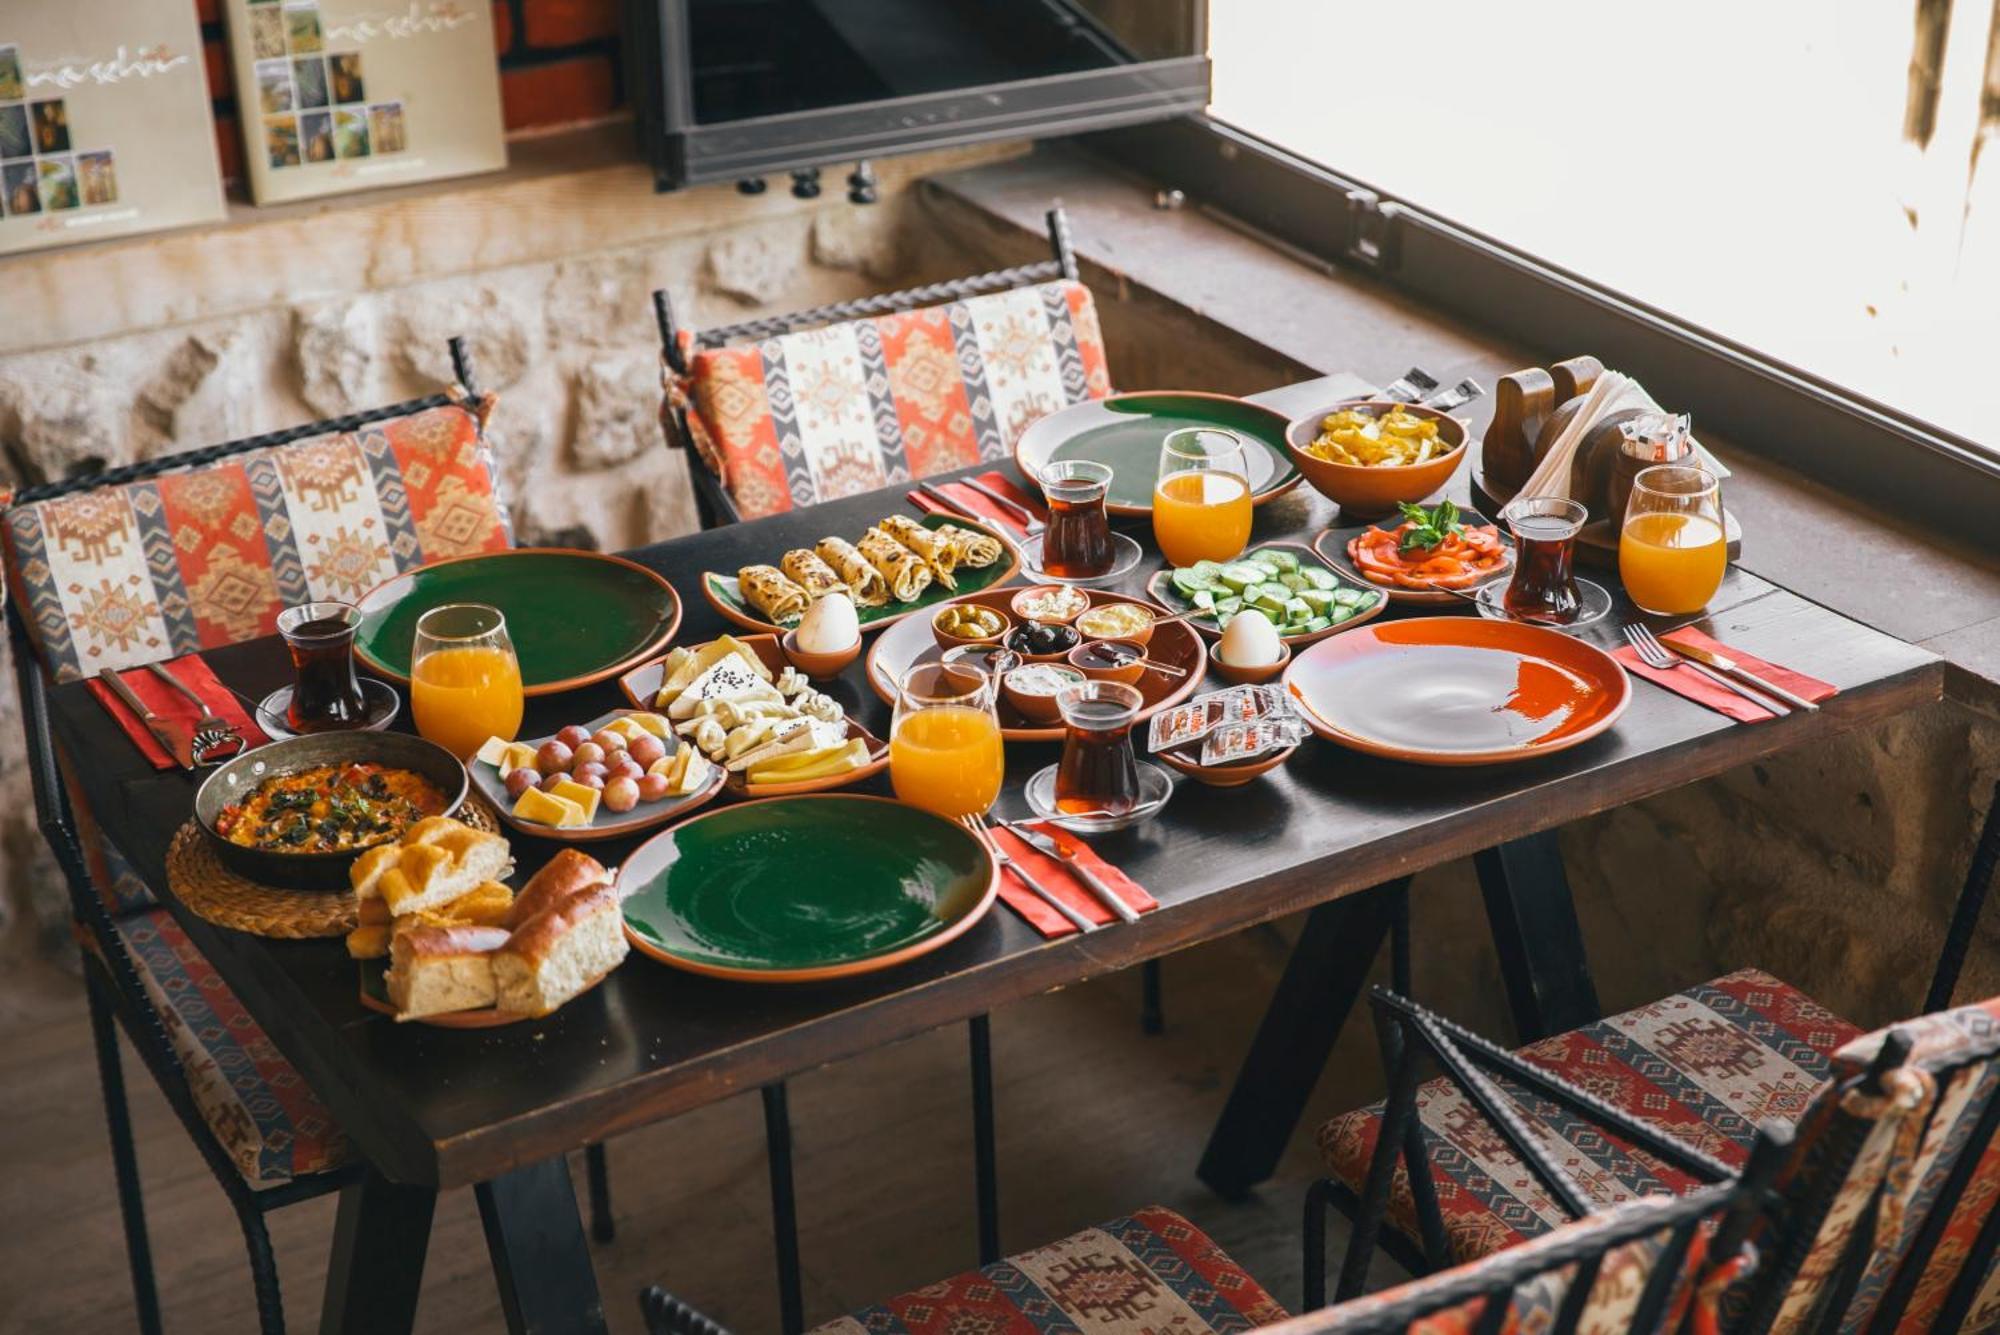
179, 747
949, 503
1106, 896
1724, 664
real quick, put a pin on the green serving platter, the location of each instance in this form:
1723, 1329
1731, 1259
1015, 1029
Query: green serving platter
804, 889
574, 617
1125, 431
726, 597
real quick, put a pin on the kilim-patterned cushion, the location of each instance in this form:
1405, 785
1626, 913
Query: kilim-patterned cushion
1621, 1279
1149, 1274
266, 1119
829, 412
120, 576
1922, 1125
1705, 1065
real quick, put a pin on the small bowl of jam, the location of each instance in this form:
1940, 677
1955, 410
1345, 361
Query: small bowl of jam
1110, 660
1042, 641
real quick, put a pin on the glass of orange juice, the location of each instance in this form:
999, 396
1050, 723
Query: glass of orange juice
465, 683
1671, 551
1201, 502
944, 743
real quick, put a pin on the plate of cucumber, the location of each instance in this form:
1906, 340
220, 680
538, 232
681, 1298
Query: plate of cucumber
1304, 598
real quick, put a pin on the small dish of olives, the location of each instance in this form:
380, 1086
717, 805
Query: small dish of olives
1043, 641
959, 624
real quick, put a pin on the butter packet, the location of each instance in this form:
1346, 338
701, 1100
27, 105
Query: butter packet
1246, 741
1197, 718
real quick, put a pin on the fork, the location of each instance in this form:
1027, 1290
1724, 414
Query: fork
977, 824
1023, 516
214, 738
1656, 655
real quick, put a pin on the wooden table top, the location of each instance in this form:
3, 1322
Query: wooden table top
449, 1107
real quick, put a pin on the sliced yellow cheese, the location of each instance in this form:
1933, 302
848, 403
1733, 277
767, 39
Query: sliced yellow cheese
821, 764
582, 794
693, 774
625, 727
493, 750
657, 724
519, 755
548, 809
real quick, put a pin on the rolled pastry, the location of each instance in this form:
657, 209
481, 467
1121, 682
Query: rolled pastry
864, 582
804, 568
906, 572
974, 550
935, 551
766, 589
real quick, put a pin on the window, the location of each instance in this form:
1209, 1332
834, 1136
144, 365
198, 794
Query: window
1802, 177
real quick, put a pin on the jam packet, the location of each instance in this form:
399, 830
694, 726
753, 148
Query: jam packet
1247, 741
1195, 719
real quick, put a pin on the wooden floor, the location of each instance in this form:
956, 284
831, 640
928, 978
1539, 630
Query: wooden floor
1095, 1119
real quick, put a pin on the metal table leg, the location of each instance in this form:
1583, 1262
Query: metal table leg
1536, 933
541, 1259
380, 1234
1327, 971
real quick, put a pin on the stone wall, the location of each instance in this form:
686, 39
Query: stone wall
563, 332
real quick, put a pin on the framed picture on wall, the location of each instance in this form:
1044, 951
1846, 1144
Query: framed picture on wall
341, 95
105, 126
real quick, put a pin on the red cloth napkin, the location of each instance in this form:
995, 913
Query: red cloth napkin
983, 505
169, 703
1057, 880
1703, 691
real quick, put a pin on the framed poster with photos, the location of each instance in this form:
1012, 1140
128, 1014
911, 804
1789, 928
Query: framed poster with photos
105, 127
353, 94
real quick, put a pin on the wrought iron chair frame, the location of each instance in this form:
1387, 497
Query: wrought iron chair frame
116, 995
1409, 1034
713, 504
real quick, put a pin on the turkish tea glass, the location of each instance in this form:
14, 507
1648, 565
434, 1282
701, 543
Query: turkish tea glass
326, 694
1099, 771
1076, 544
1543, 589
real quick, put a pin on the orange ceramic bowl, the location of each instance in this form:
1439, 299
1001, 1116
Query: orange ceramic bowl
1363, 492
1140, 637
1233, 774
946, 640
1128, 673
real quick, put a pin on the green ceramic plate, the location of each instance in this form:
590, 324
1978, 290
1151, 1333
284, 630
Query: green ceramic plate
801, 889
1125, 432
574, 617
723, 595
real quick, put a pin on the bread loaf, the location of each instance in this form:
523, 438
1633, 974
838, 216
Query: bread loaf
485, 905
560, 951
434, 873
433, 970
562, 876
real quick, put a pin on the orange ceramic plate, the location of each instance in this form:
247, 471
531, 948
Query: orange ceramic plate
1455, 691
1174, 643
642, 685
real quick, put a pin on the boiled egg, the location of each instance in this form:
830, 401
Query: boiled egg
1250, 640
829, 625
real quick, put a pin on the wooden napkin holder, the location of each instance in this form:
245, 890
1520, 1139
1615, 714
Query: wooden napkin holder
1531, 410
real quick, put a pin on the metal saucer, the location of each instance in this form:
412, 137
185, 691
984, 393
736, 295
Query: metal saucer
383, 706
1155, 787
1597, 603
1126, 555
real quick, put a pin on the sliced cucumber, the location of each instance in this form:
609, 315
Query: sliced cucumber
1281, 560
1341, 614
1240, 576
1228, 606
1320, 579
1348, 597
1204, 599
1317, 624
1319, 600
1293, 580
1267, 603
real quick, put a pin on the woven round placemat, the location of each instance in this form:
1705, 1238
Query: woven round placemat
218, 894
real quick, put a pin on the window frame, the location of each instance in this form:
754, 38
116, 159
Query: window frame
1868, 450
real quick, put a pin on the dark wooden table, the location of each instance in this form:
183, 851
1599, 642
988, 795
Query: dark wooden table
433, 1108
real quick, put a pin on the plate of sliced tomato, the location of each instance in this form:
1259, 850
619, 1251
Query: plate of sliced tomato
1427, 556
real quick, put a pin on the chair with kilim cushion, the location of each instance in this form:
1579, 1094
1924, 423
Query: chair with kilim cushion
1149, 1273
796, 409
1660, 1264
162, 558
1885, 1208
